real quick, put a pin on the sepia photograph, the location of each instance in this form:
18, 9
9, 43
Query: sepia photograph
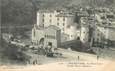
57, 35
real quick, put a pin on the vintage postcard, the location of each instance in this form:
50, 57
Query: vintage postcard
57, 35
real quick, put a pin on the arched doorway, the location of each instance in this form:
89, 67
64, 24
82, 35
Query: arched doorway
41, 42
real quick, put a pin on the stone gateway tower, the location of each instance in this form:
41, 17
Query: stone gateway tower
48, 36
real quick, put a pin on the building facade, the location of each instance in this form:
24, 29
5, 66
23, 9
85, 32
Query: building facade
104, 27
104, 35
61, 19
67, 30
48, 36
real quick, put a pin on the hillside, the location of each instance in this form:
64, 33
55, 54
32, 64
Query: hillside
23, 12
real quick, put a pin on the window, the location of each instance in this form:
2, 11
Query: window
42, 20
58, 24
43, 25
50, 20
50, 15
63, 24
43, 15
109, 23
58, 19
64, 19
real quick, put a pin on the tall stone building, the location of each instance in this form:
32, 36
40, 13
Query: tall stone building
64, 20
61, 19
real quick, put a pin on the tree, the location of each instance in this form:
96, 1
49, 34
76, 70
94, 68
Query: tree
16, 12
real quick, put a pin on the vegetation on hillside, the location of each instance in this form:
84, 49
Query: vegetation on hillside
22, 12
10, 53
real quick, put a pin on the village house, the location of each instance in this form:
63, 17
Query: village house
105, 28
